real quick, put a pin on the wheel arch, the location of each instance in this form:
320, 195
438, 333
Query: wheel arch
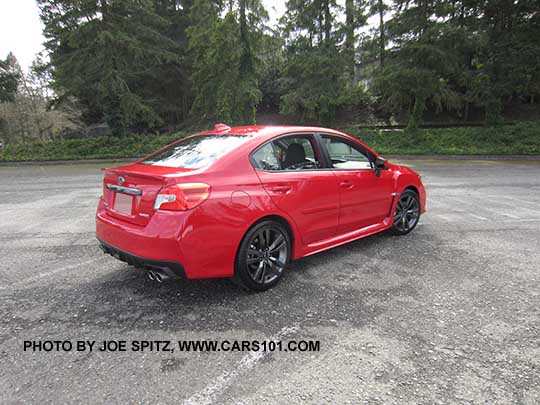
412, 188
273, 217
283, 221
418, 190
278, 218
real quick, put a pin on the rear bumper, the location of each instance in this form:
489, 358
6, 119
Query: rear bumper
156, 245
173, 269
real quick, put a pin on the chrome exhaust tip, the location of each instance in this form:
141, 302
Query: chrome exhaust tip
161, 276
158, 275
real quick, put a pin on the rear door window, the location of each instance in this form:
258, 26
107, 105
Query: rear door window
265, 158
286, 154
196, 152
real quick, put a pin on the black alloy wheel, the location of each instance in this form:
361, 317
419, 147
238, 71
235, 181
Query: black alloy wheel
407, 213
263, 255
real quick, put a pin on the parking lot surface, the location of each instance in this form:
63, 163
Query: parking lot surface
447, 314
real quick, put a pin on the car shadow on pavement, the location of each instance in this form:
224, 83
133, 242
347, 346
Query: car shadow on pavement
308, 290
322, 289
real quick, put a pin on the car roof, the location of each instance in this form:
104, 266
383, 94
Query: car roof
260, 134
266, 131
263, 133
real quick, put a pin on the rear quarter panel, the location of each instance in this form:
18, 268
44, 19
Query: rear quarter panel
213, 231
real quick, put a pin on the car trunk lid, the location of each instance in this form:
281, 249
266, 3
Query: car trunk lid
130, 191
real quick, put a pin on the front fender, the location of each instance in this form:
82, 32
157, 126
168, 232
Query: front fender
404, 178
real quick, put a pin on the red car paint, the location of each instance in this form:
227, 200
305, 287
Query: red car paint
323, 208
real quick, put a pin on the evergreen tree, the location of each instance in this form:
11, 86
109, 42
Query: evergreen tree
509, 60
107, 54
355, 17
314, 63
379, 8
10, 76
350, 36
169, 85
271, 62
225, 63
147, 64
422, 63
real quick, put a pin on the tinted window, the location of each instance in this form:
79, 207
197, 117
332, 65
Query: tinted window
290, 153
265, 158
196, 152
344, 155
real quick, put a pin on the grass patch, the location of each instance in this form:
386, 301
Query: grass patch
517, 139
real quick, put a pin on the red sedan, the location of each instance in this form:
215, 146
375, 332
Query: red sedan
242, 202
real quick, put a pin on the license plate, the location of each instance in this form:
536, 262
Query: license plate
123, 203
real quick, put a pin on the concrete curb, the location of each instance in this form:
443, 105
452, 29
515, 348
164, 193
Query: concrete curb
66, 162
465, 157
401, 157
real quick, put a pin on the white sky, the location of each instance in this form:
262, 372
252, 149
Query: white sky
20, 30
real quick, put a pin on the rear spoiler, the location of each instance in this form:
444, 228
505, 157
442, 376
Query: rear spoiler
136, 173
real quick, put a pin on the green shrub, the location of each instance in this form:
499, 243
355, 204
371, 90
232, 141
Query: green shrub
107, 147
518, 139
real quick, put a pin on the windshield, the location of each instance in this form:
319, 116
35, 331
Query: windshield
196, 152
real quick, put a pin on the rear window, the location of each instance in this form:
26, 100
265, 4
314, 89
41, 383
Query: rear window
196, 152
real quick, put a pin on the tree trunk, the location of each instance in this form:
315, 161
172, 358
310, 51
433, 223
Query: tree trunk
381, 33
320, 27
425, 16
327, 20
350, 37
246, 58
104, 8
493, 111
417, 113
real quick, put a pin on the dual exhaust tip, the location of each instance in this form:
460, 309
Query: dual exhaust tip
157, 276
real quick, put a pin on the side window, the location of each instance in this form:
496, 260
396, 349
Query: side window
344, 155
296, 153
265, 158
290, 153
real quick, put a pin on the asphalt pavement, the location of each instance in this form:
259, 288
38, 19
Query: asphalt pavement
447, 314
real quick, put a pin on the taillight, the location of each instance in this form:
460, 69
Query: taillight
181, 197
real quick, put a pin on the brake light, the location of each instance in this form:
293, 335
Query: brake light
181, 197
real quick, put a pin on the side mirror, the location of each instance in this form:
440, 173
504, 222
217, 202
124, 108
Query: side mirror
379, 164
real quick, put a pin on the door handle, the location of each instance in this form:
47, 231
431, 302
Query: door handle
280, 188
346, 184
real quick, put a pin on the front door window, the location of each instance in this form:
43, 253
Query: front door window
345, 156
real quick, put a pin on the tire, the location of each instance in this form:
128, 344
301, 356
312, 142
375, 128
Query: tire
407, 213
263, 255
